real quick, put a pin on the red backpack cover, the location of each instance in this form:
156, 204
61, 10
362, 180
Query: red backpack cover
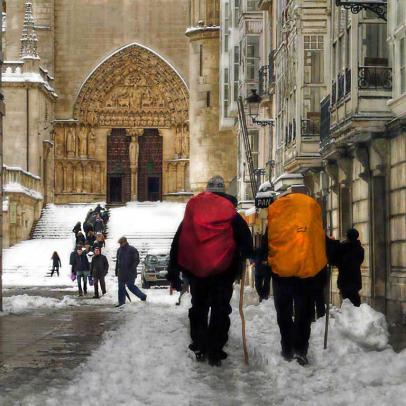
206, 242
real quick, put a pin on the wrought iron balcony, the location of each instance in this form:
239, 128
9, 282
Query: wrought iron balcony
333, 93
340, 86
311, 127
263, 87
325, 120
347, 81
375, 77
267, 76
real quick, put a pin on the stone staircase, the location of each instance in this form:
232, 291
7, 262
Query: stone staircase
147, 226
57, 221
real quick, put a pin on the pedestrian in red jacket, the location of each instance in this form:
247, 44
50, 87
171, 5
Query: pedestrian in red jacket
209, 248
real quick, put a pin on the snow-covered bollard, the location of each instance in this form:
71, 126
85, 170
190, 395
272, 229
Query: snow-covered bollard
363, 325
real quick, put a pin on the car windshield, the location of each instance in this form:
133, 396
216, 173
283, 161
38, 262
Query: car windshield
162, 259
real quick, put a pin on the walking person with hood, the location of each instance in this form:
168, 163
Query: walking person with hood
56, 263
128, 259
77, 228
210, 248
297, 255
80, 268
350, 259
98, 270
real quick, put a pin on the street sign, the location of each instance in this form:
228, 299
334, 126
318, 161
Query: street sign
263, 202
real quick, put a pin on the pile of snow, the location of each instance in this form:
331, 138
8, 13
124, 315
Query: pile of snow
24, 303
363, 325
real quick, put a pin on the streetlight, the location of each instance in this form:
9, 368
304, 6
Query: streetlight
253, 102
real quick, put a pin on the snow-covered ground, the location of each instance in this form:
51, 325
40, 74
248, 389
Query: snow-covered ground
146, 362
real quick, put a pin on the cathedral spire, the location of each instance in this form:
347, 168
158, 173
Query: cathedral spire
29, 40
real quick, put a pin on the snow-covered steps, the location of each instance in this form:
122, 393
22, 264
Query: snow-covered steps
57, 221
146, 225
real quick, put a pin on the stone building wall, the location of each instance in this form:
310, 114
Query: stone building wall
396, 287
361, 221
88, 32
212, 152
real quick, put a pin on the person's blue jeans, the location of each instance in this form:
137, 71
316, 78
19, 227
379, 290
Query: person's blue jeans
132, 288
79, 276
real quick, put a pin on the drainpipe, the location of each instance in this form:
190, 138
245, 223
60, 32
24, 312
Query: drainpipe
28, 128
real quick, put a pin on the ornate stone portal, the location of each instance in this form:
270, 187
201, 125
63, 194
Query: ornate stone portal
134, 90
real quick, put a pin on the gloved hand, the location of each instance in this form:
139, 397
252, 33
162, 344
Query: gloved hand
177, 284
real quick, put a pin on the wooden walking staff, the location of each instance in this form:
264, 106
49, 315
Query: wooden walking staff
244, 337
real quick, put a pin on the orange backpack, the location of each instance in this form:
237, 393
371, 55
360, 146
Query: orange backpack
296, 238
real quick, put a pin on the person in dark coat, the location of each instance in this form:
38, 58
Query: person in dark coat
212, 293
128, 259
56, 263
77, 228
80, 239
262, 272
349, 267
98, 270
91, 238
80, 268
87, 227
105, 216
99, 224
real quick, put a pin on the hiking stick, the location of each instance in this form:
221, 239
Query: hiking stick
244, 338
328, 306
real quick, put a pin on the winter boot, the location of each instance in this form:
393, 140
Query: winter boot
287, 355
80, 293
200, 355
214, 360
302, 359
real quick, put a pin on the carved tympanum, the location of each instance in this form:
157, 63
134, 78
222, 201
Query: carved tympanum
133, 88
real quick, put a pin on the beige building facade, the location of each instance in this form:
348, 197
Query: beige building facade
337, 91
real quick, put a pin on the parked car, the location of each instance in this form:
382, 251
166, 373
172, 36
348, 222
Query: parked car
155, 268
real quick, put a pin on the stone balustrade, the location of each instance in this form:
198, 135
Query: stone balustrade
17, 180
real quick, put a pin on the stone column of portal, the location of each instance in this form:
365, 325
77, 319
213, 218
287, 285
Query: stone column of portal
134, 152
212, 152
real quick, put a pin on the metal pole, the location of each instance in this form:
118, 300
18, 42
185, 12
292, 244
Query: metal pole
329, 279
247, 146
1, 166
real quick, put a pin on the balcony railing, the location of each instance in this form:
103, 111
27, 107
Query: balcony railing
311, 127
263, 87
333, 93
340, 86
325, 120
375, 77
266, 76
18, 180
347, 81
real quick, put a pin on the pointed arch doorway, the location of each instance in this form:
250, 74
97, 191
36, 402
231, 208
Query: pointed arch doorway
118, 167
150, 166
